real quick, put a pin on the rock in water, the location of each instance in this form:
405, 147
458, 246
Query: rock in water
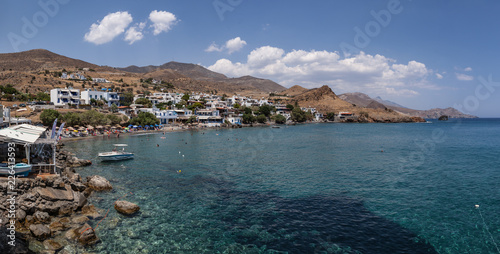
126, 207
88, 237
40, 231
98, 183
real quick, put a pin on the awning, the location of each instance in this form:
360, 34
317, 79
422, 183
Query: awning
23, 133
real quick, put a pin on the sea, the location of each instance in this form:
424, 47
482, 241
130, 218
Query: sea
313, 188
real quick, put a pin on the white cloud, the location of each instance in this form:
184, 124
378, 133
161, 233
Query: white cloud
162, 21
361, 72
231, 46
108, 28
463, 77
468, 69
134, 33
214, 47
235, 44
439, 76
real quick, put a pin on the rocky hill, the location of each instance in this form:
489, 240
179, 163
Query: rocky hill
200, 73
294, 90
363, 100
325, 101
39, 70
41, 59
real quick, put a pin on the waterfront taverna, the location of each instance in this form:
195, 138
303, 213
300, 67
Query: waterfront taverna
33, 146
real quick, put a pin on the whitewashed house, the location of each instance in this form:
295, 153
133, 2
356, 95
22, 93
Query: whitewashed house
65, 96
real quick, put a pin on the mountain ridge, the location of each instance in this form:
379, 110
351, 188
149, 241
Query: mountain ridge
361, 99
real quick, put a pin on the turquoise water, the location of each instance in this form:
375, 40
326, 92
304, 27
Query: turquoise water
317, 188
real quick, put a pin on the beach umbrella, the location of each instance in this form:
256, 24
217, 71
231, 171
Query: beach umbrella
81, 129
130, 125
135, 126
71, 129
140, 126
90, 127
99, 127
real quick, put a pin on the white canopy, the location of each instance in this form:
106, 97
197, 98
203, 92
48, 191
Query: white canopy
23, 133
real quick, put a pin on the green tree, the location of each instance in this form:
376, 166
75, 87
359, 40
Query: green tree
330, 116
114, 108
298, 115
236, 105
261, 119
144, 118
185, 97
279, 119
289, 106
198, 105
265, 110
114, 118
248, 110
191, 119
71, 119
9, 89
48, 116
249, 118
144, 101
93, 117
128, 97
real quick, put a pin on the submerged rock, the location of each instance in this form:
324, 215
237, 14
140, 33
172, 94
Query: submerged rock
98, 183
88, 237
126, 207
52, 245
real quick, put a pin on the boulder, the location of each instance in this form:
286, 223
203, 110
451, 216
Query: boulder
57, 226
40, 231
80, 219
88, 237
52, 194
98, 183
90, 211
52, 245
125, 207
41, 217
79, 200
20, 215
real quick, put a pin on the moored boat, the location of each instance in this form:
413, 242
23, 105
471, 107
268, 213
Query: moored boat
116, 154
20, 169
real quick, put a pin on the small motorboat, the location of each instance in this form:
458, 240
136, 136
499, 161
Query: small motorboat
117, 154
20, 169
275, 127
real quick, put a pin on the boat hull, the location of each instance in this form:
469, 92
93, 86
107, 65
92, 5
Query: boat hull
115, 157
20, 169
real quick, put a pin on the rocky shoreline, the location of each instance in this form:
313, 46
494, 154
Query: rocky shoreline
51, 211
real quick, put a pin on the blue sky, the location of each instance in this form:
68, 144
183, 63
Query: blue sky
421, 54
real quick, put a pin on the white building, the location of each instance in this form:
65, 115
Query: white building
100, 80
64, 96
110, 97
166, 116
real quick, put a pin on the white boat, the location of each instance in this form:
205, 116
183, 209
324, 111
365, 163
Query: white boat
117, 154
20, 169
